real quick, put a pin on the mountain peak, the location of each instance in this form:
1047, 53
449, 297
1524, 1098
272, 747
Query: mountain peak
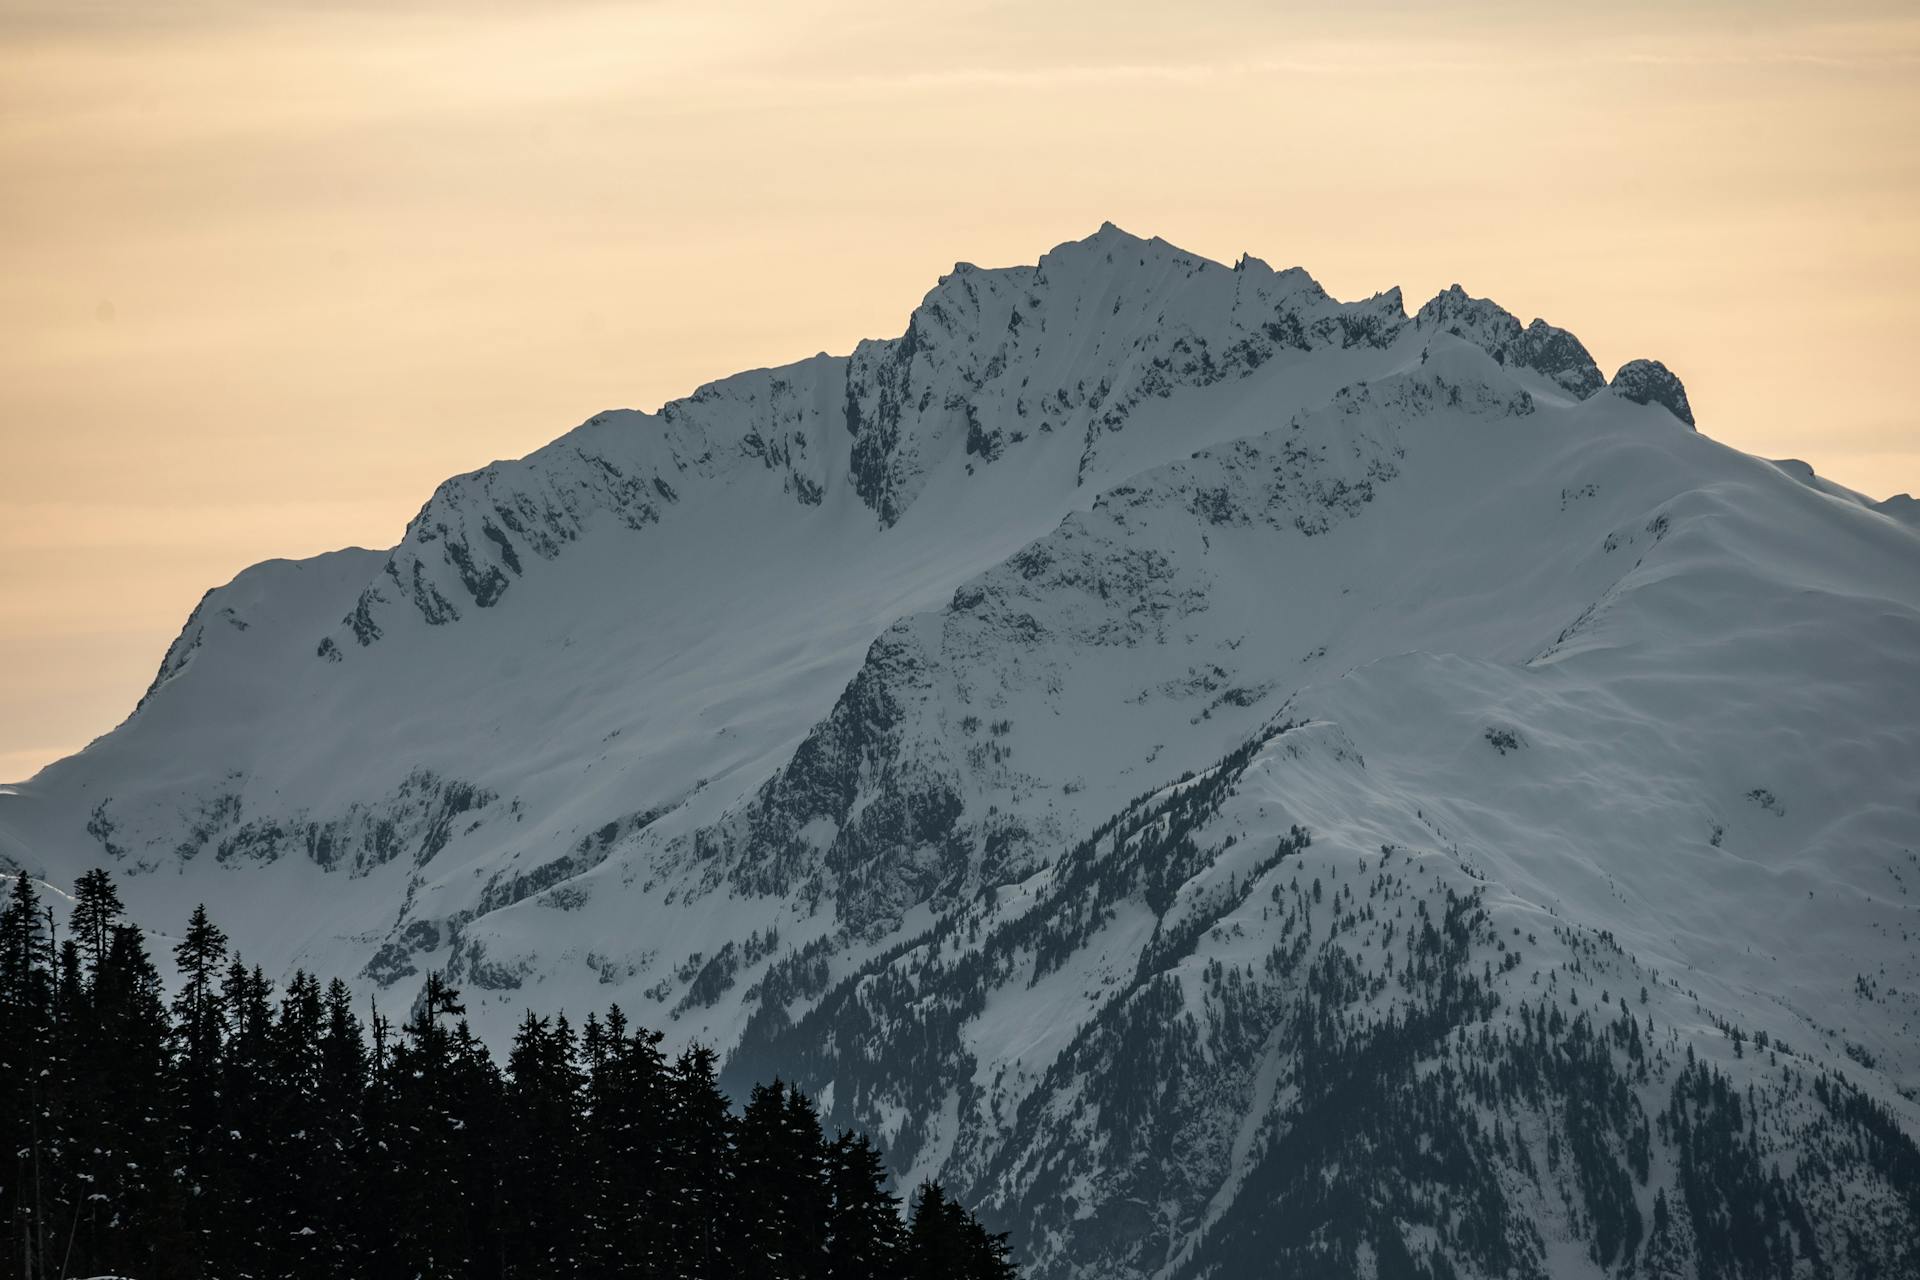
988, 726
1113, 246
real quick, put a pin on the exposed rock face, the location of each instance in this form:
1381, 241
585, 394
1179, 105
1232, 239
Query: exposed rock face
1150, 742
1541, 347
1650, 382
1142, 319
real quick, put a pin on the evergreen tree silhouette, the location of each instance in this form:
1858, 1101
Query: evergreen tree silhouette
199, 1027
630, 1141
241, 1177
26, 1032
539, 1182
945, 1242
700, 1217
811, 1199
130, 1066
336, 1149
236, 1133
435, 1204
865, 1238
96, 910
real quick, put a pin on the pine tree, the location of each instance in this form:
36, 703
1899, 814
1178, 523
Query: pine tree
295, 1196
628, 1133
809, 1190
131, 1211
336, 1150
70, 1119
539, 1170
386, 1187
26, 1025
598, 1206
865, 1237
201, 956
244, 1171
700, 1207
935, 1243
475, 1103
436, 1087
199, 1026
945, 1242
762, 1235
96, 910
26, 958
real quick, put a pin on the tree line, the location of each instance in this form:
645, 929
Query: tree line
233, 1130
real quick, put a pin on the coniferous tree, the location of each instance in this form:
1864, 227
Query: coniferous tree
26, 956
945, 1242
243, 1175
384, 1203
698, 1168
26, 1026
442, 1093
337, 1150
131, 1209
598, 1205
934, 1241
254, 1135
865, 1238
762, 1234
540, 1189
474, 1106
809, 1194
96, 910
199, 1026
628, 1132
294, 1136
69, 1118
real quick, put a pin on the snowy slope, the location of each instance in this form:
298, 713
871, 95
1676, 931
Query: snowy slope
834, 714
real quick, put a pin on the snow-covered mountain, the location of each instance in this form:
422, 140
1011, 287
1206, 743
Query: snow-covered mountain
1221, 775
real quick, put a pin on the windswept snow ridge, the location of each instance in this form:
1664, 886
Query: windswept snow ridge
1223, 776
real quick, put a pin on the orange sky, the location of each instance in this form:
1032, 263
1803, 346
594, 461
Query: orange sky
269, 271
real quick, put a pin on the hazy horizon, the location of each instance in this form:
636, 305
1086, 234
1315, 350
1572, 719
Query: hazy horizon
270, 273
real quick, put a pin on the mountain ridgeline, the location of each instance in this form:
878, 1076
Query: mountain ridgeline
1221, 779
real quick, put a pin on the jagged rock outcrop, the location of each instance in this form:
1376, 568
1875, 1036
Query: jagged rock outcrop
1650, 382
1541, 347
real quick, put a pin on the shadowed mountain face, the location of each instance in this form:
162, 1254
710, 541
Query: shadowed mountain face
1227, 778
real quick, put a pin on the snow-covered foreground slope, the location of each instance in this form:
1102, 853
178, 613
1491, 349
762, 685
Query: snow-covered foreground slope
1221, 775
